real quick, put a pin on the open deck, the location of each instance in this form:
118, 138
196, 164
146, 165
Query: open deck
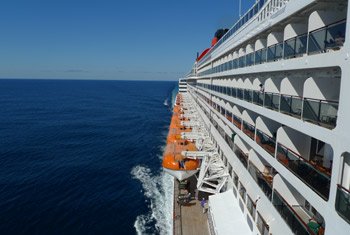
189, 218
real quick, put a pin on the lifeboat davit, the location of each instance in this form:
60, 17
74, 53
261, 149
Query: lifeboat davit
180, 167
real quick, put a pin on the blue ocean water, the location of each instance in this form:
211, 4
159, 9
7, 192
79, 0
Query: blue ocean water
83, 157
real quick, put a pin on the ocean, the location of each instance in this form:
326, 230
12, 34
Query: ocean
84, 157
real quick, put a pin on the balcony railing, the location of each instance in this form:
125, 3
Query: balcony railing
258, 98
321, 112
264, 181
241, 156
237, 122
275, 52
250, 59
251, 207
239, 93
331, 37
266, 142
295, 47
249, 129
296, 224
342, 203
291, 105
248, 95
260, 56
306, 171
272, 100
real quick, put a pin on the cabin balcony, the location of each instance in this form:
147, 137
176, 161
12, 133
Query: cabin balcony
342, 203
249, 129
298, 213
258, 98
308, 158
290, 214
291, 105
321, 112
242, 156
266, 142
329, 37
262, 178
272, 100
319, 181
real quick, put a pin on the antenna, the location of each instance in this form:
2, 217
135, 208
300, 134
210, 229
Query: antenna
240, 8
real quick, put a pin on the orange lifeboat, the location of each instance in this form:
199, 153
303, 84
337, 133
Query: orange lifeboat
173, 162
180, 167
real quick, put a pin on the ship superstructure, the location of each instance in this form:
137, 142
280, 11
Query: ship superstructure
272, 96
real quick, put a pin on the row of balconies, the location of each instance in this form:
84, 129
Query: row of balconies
313, 168
328, 38
320, 112
253, 11
295, 218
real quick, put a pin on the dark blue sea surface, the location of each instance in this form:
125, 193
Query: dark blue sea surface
82, 157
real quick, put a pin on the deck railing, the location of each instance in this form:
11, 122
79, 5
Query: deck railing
342, 203
306, 171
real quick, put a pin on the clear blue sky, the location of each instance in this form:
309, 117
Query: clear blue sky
105, 39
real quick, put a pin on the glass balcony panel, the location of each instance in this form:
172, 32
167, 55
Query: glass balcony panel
268, 100
237, 121
296, 224
263, 181
263, 55
321, 112
335, 37
300, 45
266, 142
239, 93
271, 53
241, 156
258, 98
291, 105
242, 61
279, 51
342, 203
328, 113
248, 95
249, 129
234, 64
233, 92
258, 57
304, 170
289, 48
275, 101
250, 59
317, 41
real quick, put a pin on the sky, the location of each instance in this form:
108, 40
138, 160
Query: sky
106, 39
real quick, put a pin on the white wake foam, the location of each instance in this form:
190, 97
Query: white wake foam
158, 191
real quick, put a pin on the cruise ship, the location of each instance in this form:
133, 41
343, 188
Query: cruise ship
268, 111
